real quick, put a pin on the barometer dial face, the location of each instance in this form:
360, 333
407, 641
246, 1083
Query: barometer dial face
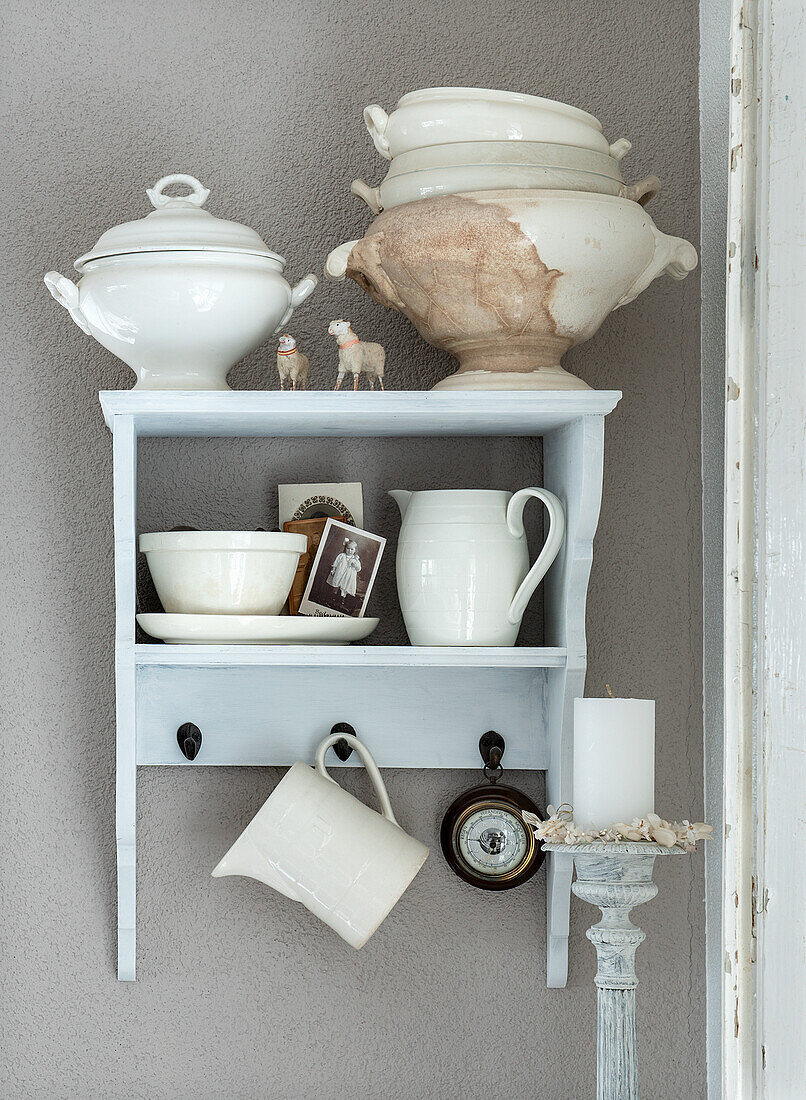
486, 841
492, 840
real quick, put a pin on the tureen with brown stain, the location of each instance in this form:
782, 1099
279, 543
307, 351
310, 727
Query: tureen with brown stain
508, 281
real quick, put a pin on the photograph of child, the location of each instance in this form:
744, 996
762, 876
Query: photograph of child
343, 572
345, 569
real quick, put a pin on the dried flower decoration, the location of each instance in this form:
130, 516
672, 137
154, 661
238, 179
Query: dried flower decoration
560, 828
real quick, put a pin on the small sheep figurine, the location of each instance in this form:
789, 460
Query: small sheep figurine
292, 365
356, 356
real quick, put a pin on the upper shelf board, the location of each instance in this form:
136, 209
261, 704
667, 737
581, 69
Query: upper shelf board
409, 413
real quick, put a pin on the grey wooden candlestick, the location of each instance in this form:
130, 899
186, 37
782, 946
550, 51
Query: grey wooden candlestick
616, 877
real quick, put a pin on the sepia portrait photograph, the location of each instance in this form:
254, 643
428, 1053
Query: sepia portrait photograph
343, 572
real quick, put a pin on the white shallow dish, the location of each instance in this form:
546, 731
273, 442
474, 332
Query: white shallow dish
255, 629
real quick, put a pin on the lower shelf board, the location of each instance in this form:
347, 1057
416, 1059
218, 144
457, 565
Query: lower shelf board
368, 656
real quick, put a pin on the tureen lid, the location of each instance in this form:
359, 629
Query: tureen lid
178, 223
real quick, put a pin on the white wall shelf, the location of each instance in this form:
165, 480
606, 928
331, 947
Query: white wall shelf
271, 413
247, 699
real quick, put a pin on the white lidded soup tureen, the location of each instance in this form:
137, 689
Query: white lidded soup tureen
180, 295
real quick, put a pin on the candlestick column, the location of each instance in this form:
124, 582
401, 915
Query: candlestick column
616, 877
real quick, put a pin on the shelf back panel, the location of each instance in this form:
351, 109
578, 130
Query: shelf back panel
409, 717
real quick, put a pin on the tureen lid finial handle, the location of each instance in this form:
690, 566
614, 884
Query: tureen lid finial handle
197, 197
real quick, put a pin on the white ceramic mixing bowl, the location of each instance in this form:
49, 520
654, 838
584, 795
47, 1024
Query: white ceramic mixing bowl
223, 572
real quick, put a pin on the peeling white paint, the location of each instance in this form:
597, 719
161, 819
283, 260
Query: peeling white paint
764, 912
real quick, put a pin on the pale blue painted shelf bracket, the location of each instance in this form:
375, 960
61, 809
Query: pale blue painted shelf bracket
245, 698
124, 447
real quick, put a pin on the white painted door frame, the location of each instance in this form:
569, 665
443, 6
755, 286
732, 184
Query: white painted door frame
764, 847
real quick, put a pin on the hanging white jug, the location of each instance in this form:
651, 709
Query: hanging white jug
463, 575
321, 846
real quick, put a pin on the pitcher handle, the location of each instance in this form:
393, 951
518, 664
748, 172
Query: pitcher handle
551, 547
373, 771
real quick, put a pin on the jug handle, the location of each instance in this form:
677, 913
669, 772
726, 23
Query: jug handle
551, 547
373, 770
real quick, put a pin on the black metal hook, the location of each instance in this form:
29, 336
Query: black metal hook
342, 749
492, 746
190, 739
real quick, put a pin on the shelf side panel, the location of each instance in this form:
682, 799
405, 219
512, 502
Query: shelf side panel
409, 717
573, 462
573, 468
124, 452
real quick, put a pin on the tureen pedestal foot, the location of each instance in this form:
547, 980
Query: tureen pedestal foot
544, 378
502, 362
188, 380
616, 877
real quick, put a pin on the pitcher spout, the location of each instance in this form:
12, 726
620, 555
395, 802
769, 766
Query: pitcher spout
402, 497
244, 858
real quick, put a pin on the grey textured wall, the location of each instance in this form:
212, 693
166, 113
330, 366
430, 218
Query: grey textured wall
239, 994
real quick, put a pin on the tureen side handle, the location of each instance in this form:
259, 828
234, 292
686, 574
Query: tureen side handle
619, 149
672, 256
66, 294
370, 195
304, 288
642, 191
299, 293
336, 263
376, 120
362, 261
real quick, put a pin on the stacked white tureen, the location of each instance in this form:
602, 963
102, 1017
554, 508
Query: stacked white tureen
442, 141
506, 232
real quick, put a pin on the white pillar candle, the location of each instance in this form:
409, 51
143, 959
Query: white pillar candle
614, 760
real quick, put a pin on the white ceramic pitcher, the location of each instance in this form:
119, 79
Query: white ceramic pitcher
317, 844
463, 575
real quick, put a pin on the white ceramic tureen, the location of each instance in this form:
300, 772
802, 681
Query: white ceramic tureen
497, 165
180, 295
435, 116
508, 281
